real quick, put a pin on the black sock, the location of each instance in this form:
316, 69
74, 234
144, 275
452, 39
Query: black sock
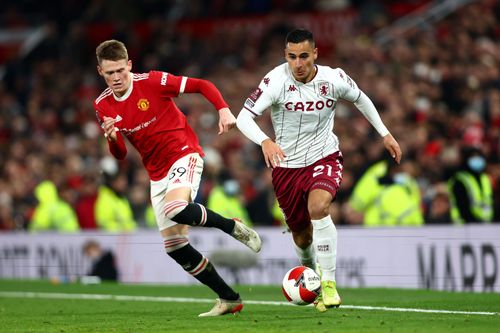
197, 215
198, 266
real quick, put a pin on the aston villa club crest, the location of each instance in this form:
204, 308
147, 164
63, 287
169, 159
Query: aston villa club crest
324, 89
143, 104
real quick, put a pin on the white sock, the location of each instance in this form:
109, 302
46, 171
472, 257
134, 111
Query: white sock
325, 246
306, 256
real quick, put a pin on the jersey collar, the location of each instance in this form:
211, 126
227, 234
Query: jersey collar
128, 92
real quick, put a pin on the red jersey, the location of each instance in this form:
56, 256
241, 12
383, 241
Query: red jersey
147, 115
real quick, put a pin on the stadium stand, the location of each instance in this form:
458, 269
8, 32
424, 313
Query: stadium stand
436, 83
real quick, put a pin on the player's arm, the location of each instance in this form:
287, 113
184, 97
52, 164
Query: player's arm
226, 118
365, 105
349, 91
255, 105
116, 144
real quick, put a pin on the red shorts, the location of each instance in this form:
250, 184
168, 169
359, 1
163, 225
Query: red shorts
292, 187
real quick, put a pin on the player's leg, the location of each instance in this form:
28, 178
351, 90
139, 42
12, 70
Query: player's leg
324, 178
325, 244
289, 189
178, 248
183, 182
304, 248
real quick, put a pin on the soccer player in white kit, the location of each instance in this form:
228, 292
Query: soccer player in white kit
305, 155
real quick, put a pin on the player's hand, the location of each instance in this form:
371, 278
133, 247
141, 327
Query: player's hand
110, 129
392, 147
226, 120
273, 154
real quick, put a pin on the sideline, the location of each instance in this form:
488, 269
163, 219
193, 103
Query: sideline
20, 294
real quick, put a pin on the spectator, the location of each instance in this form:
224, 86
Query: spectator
103, 262
112, 208
226, 199
438, 211
52, 213
388, 195
471, 189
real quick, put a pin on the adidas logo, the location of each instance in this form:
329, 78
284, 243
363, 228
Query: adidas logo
177, 181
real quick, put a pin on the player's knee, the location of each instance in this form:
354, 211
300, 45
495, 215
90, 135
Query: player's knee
192, 214
173, 208
317, 209
174, 243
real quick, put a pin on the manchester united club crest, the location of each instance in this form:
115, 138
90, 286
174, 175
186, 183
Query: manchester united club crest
143, 104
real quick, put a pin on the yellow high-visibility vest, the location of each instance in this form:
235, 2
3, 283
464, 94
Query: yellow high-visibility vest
397, 205
366, 191
113, 212
481, 197
227, 206
52, 213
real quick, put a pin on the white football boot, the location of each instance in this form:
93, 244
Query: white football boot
246, 235
223, 307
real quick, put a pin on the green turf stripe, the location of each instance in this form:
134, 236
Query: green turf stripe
19, 294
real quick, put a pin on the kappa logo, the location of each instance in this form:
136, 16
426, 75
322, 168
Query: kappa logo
292, 88
266, 81
143, 104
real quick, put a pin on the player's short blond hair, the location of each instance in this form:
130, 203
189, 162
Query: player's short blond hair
112, 49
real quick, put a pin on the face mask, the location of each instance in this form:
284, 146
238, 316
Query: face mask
231, 187
401, 178
476, 163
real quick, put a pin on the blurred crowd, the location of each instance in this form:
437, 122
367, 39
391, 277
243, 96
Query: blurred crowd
436, 86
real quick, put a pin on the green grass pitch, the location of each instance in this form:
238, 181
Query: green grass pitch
39, 306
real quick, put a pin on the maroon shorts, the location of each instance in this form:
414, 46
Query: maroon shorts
292, 187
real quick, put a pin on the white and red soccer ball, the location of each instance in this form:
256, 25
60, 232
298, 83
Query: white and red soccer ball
301, 285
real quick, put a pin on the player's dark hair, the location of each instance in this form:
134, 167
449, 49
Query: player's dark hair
299, 35
112, 49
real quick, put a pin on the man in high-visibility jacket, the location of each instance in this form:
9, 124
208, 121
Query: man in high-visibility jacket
52, 213
225, 200
112, 208
388, 195
471, 193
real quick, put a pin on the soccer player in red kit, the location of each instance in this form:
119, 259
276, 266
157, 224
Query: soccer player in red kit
305, 153
141, 108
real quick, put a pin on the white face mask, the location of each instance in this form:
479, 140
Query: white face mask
476, 163
401, 178
231, 187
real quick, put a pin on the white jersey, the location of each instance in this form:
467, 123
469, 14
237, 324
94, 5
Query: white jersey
303, 113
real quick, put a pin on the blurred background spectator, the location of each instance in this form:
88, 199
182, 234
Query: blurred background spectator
113, 211
433, 74
103, 262
470, 189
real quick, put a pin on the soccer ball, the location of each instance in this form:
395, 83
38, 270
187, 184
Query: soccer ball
301, 285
